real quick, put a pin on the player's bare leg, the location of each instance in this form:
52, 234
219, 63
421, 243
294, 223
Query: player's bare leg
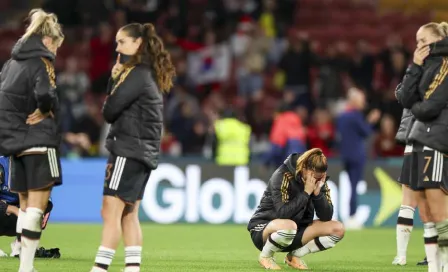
32, 226
132, 237
111, 212
317, 237
278, 234
405, 224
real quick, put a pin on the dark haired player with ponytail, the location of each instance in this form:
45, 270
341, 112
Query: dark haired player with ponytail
134, 109
283, 221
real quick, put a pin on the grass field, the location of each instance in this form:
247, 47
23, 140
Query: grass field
215, 248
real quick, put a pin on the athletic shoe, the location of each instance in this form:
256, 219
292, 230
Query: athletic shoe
52, 253
423, 262
399, 261
268, 263
295, 262
15, 248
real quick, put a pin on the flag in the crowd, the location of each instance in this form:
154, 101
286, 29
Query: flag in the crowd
208, 65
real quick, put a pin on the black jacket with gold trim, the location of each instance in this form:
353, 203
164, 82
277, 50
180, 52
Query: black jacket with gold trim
134, 108
285, 198
27, 82
424, 91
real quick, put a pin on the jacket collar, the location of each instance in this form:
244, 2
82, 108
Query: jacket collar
439, 48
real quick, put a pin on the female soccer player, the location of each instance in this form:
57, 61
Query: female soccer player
9, 211
29, 133
283, 221
424, 92
405, 220
134, 110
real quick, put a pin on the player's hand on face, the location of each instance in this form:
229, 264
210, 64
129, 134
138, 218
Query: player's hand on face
319, 184
420, 54
310, 182
37, 116
118, 67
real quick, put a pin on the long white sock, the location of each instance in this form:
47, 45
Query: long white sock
405, 224
442, 241
19, 227
30, 238
277, 241
19, 224
431, 247
103, 259
133, 258
316, 245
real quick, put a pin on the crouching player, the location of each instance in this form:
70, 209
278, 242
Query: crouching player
283, 221
9, 211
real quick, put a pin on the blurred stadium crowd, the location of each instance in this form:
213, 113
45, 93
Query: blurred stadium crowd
251, 56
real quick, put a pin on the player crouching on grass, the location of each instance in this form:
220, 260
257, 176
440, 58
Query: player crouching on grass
9, 212
283, 221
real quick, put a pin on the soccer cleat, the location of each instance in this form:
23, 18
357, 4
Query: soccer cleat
15, 249
399, 261
3, 254
268, 263
52, 253
295, 262
423, 262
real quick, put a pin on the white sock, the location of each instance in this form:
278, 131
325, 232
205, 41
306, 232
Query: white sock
19, 227
30, 238
19, 224
277, 241
431, 247
133, 258
103, 259
405, 224
442, 241
316, 245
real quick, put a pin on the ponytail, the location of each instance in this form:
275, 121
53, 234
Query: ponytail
443, 29
153, 53
313, 159
44, 24
439, 29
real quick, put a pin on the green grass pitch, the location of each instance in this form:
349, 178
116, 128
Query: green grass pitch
215, 248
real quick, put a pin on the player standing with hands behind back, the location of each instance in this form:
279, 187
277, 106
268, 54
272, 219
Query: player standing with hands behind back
29, 132
134, 108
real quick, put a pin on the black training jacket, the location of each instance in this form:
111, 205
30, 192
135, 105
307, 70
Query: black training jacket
285, 198
424, 91
27, 82
134, 108
406, 123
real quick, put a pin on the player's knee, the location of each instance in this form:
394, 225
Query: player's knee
337, 229
288, 225
107, 213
